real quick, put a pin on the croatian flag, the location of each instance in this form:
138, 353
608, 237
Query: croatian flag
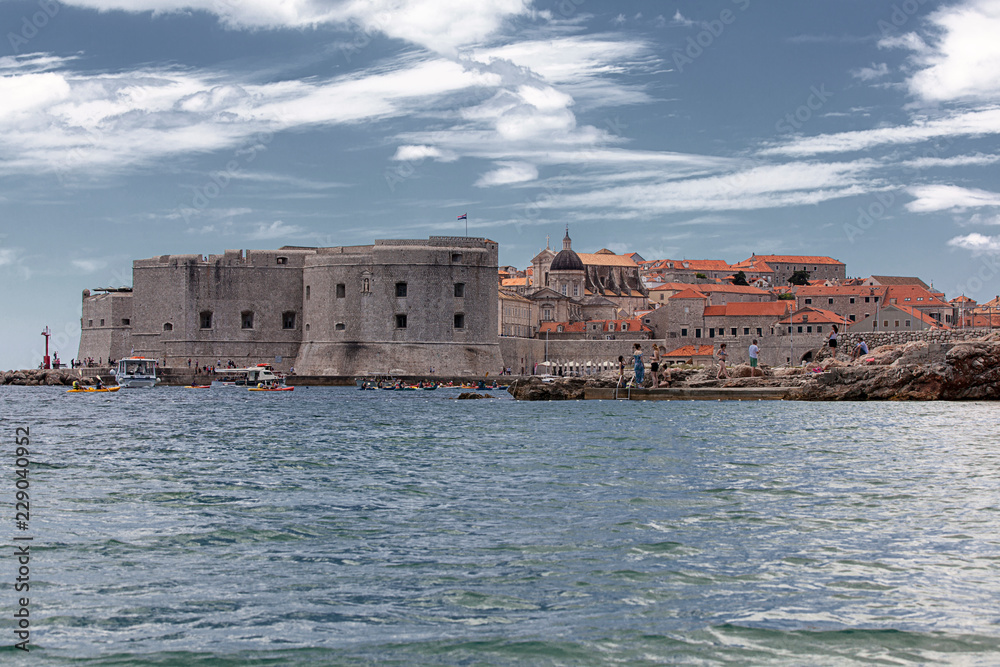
464, 216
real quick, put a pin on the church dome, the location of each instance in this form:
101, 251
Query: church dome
566, 260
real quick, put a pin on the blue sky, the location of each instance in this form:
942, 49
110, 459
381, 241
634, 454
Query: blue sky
866, 130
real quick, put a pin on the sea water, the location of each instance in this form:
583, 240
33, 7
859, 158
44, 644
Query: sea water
333, 526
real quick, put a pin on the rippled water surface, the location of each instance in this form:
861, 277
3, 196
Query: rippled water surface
328, 525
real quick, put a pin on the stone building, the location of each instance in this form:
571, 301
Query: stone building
398, 306
106, 324
818, 267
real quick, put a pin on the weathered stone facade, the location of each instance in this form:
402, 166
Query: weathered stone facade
106, 325
395, 306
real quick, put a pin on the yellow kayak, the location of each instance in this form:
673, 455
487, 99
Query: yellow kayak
91, 390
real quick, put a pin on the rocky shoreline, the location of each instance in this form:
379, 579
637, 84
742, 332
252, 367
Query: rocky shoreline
44, 378
915, 371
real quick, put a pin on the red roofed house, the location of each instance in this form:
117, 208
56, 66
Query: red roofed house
745, 319
700, 355
855, 302
818, 267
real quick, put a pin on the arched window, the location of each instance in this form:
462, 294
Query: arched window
167, 326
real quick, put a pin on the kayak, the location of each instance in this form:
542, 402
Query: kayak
197, 386
270, 388
91, 390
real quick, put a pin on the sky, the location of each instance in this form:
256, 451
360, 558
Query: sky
864, 130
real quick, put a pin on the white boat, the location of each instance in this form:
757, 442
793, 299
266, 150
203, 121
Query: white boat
133, 372
250, 377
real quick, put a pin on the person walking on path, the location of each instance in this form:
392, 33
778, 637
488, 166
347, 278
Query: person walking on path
754, 354
722, 355
640, 370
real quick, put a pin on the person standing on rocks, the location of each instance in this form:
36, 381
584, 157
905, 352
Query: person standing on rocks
722, 354
640, 370
754, 354
833, 340
654, 365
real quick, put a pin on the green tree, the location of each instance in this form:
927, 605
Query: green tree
740, 279
799, 278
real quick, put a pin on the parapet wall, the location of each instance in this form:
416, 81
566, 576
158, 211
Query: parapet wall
849, 340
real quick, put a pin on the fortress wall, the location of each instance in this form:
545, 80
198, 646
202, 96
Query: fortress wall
353, 304
105, 326
173, 292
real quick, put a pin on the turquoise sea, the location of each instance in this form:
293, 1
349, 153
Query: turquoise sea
334, 526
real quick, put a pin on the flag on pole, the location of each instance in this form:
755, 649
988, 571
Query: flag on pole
464, 216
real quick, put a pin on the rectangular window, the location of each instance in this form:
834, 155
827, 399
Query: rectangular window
246, 319
868, 299
401, 321
307, 292
90, 323
746, 331
809, 301
732, 332
854, 318
341, 290
760, 332
830, 300
456, 258
400, 290
102, 322
907, 322
885, 324
288, 319
684, 333
205, 319
460, 321
711, 333
852, 299
819, 329
339, 326
460, 289
897, 324
800, 329
809, 329
126, 321
697, 333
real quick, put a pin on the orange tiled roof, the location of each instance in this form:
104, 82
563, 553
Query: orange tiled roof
962, 299
514, 282
923, 317
913, 292
689, 293
602, 259
692, 351
695, 265
568, 327
754, 264
835, 290
796, 259
680, 287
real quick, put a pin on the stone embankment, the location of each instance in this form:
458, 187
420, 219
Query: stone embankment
43, 378
919, 370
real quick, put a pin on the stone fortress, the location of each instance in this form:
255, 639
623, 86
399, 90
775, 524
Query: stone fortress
397, 306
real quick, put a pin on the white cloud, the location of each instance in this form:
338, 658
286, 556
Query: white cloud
89, 265
8, 256
757, 187
977, 243
971, 123
980, 219
417, 153
960, 59
930, 198
871, 73
508, 173
976, 160
680, 20
276, 230
439, 25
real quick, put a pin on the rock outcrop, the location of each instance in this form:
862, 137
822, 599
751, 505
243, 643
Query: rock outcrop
43, 378
917, 371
